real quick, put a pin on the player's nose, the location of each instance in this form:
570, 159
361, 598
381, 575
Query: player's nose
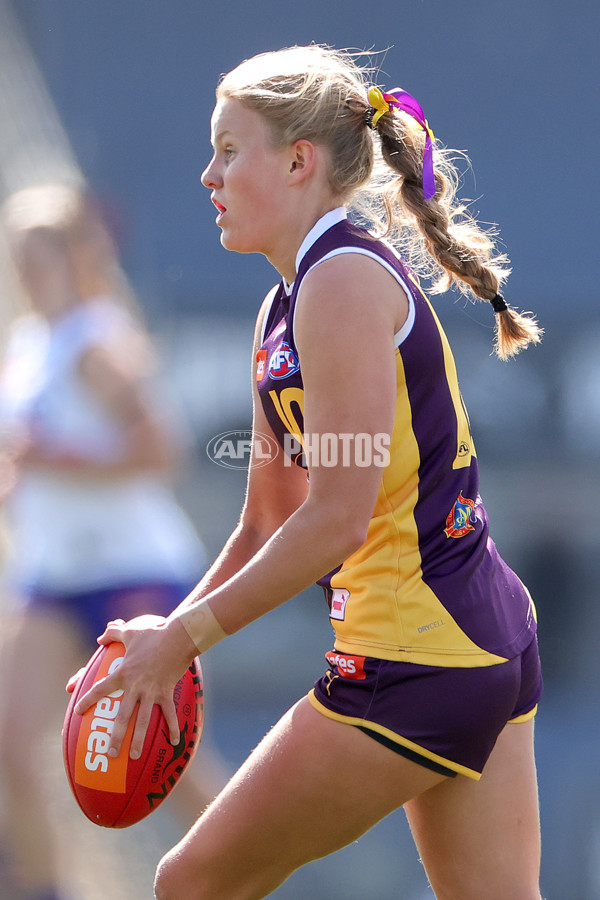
211, 178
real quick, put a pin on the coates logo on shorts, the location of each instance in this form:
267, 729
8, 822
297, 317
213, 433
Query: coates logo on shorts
347, 666
283, 362
234, 449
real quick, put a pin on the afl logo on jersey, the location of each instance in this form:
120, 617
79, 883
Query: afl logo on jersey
283, 362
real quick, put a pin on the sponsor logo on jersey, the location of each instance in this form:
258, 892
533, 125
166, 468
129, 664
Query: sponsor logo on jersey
339, 598
458, 521
261, 364
347, 666
283, 362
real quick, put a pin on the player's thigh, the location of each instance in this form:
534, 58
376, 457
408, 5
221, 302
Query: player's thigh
481, 840
312, 786
38, 655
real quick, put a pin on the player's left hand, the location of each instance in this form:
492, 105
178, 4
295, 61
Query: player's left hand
157, 654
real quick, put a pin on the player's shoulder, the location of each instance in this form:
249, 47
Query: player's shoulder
344, 269
352, 288
267, 302
263, 312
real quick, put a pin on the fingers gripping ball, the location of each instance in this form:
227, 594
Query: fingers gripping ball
118, 791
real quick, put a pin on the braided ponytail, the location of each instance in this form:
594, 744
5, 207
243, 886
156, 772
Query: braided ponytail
321, 94
460, 251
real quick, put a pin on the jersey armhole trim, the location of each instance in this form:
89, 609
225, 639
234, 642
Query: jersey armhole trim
406, 328
271, 298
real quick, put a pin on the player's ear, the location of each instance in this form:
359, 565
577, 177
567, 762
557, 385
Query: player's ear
302, 161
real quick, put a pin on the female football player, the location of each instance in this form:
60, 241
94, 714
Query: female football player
433, 679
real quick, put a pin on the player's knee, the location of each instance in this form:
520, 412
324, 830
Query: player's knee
166, 879
172, 880
176, 879
180, 877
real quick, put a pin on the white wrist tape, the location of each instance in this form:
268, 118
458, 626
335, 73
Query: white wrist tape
201, 625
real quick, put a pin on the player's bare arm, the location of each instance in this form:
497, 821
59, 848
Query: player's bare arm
355, 396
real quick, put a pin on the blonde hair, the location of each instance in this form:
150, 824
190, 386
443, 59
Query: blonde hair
321, 94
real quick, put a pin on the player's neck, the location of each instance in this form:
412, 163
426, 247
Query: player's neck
283, 256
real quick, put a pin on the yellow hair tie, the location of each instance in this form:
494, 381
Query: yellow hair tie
379, 104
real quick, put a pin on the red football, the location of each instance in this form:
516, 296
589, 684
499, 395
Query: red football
117, 792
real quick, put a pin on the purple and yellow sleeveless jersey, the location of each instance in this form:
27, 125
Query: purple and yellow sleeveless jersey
428, 585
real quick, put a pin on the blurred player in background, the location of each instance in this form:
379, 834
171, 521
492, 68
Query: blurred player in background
434, 678
89, 448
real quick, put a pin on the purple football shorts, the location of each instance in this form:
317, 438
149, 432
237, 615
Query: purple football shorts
447, 719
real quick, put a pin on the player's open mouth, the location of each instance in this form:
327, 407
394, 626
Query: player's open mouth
221, 210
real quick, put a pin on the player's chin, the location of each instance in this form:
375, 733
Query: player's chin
236, 242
